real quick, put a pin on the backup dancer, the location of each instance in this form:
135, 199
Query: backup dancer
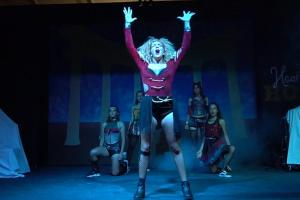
216, 146
134, 130
197, 113
112, 143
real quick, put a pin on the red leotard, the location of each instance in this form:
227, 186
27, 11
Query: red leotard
161, 84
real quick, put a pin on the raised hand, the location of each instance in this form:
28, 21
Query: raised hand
186, 16
128, 15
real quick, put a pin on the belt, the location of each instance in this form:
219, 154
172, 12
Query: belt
159, 99
211, 138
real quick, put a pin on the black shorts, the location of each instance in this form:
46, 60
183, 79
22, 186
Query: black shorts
113, 148
161, 110
158, 107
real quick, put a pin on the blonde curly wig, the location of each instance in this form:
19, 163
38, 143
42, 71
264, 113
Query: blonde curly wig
145, 49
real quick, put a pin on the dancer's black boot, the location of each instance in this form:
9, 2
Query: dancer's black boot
140, 190
186, 190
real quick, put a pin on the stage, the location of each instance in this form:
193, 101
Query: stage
70, 183
66, 65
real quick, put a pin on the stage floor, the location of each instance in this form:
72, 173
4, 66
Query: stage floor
69, 183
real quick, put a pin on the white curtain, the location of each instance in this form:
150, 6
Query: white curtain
13, 161
293, 119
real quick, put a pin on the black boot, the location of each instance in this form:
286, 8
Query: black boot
186, 190
140, 190
95, 170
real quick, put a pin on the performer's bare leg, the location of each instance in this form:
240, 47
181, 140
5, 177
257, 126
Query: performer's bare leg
115, 170
145, 150
168, 127
144, 161
228, 156
194, 136
144, 156
95, 153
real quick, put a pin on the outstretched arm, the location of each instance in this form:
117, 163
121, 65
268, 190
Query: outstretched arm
128, 36
186, 41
